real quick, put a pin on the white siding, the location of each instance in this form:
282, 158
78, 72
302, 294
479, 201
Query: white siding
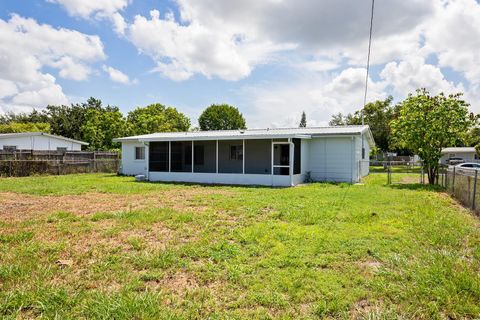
332, 159
130, 166
362, 164
38, 142
466, 156
222, 178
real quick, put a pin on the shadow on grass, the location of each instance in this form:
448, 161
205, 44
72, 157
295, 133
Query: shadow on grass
417, 186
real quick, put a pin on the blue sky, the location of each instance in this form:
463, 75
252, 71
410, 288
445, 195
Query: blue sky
272, 59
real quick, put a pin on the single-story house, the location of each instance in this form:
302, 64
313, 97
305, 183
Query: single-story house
467, 154
272, 157
38, 141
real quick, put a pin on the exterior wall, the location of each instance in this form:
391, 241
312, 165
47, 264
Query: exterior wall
130, 166
362, 168
467, 156
40, 143
221, 178
332, 159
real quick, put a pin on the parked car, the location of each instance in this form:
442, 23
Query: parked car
454, 161
468, 166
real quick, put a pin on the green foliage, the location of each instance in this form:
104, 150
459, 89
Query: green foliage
303, 120
377, 115
156, 118
94, 123
16, 127
101, 126
221, 117
426, 124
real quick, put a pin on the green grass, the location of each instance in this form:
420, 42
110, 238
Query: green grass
317, 251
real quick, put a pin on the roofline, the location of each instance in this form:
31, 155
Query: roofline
22, 134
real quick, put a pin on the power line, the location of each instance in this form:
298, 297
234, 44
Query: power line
368, 58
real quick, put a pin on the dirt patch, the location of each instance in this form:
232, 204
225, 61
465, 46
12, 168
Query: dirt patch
370, 267
19, 207
364, 309
178, 283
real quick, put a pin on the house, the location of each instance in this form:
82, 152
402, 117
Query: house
38, 141
273, 157
467, 154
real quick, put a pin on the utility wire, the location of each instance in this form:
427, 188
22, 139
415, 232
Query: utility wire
368, 59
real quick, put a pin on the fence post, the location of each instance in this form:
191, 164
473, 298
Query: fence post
10, 168
474, 190
453, 181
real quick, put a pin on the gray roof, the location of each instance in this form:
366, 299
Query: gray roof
269, 133
459, 150
30, 134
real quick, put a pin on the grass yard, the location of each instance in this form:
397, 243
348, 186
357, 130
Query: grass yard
102, 246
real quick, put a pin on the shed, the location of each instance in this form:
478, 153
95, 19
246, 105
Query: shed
273, 157
467, 154
38, 141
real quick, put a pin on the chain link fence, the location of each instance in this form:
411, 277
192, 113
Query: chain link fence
463, 185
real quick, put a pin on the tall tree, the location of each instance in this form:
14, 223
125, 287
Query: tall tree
303, 120
221, 117
426, 124
101, 126
377, 115
156, 118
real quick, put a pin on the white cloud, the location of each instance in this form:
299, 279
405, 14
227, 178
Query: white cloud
88, 8
28, 47
98, 9
117, 75
407, 76
180, 51
281, 105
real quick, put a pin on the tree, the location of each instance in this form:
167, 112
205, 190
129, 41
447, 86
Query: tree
426, 124
221, 117
303, 120
101, 126
377, 115
16, 127
156, 118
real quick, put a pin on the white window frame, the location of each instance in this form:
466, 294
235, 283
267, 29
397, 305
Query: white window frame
281, 166
135, 153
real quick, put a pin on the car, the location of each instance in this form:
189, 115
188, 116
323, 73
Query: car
468, 166
454, 161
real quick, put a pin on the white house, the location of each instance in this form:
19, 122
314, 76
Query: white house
273, 157
467, 154
38, 141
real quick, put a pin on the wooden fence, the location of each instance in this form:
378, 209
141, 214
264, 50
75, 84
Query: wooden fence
21, 163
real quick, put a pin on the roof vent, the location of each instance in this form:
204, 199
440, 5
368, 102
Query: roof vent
242, 131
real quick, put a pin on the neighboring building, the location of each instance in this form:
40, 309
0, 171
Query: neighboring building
38, 141
467, 154
273, 157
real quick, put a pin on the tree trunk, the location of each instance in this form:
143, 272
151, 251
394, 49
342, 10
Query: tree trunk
432, 174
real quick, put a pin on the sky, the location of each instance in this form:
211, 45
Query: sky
272, 59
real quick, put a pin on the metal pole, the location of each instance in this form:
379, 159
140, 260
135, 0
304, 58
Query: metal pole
474, 190
453, 181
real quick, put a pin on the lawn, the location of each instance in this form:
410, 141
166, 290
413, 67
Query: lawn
102, 246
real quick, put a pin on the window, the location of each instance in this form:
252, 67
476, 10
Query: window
9, 148
62, 149
181, 156
236, 152
139, 153
363, 153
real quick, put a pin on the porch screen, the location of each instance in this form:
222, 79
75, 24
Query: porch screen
205, 156
230, 156
297, 156
258, 156
158, 157
181, 156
